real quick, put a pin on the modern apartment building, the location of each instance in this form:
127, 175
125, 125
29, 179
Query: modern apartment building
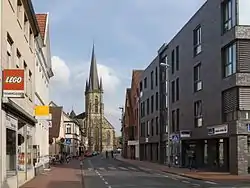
210, 88
150, 130
19, 28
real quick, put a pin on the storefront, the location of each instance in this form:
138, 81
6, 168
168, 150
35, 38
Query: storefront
18, 128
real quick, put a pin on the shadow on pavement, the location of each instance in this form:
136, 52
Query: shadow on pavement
62, 184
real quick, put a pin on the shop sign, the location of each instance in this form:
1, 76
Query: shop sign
133, 142
221, 129
13, 83
11, 123
185, 134
42, 112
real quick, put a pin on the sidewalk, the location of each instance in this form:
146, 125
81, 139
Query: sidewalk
199, 175
61, 176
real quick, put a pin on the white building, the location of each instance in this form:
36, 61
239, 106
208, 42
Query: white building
43, 73
18, 31
72, 134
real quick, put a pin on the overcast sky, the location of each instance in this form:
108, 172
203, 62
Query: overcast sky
127, 35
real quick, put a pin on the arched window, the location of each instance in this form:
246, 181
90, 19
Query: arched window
96, 104
108, 138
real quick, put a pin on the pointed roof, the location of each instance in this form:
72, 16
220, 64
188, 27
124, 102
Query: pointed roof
72, 114
93, 74
42, 21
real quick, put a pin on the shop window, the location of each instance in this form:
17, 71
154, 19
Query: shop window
10, 152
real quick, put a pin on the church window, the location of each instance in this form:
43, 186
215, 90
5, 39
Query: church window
96, 105
108, 138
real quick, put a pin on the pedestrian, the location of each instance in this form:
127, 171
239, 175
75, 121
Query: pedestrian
107, 154
112, 154
190, 159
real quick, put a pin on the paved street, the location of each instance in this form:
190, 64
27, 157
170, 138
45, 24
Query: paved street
101, 172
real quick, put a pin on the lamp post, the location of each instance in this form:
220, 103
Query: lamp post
122, 111
167, 66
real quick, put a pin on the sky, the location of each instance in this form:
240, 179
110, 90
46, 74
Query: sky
127, 35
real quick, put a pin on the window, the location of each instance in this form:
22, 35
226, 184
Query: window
227, 15
26, 26
31, 38
198, 120
140, 86
145, 83
177, 119
156, 101
177, 58
9, 51
96, 104
152, 79
148, 106
19, 12
25, 77
152, 103
173, 91
18, 61
108, 138
11, 147
197, 40
30, 86
156, 125
177, 89
148, 128
156, 76
142, 129
172, 61
173, 121
229, 60
68, 130
197, 78
152, 127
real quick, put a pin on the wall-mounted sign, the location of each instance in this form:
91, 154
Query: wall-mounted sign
220, 129
146, 139
42, 112
13, 83
11, 122
185, 134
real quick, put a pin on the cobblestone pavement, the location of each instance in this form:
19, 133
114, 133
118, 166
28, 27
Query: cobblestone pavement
61, 176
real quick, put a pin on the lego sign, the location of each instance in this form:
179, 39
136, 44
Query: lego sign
13, 83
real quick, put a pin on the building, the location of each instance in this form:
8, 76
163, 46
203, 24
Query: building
209, 74
19, 28
72, 134
99, 130
132, 116
150, 130
125, 123
43, 73
56, 130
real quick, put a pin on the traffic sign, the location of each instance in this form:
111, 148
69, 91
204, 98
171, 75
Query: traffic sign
175, 138
248, 127
68, 141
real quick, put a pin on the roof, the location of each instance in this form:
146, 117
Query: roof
81, 115
56, 121
72, 114
42, 21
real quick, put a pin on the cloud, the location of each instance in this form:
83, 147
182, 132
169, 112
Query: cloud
68, 85
61, 72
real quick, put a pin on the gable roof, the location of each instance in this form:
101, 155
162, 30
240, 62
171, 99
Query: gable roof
42, 22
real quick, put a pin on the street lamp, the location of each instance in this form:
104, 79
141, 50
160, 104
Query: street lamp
167, 66
122, 111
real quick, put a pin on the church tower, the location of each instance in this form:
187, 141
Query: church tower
94, 107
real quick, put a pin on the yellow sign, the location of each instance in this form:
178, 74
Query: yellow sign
42, 111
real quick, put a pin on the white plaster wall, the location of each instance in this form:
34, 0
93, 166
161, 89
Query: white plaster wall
11, 25
244, 18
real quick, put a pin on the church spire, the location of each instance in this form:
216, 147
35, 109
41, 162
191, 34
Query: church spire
93, 74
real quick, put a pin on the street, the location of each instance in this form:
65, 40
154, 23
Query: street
112, 173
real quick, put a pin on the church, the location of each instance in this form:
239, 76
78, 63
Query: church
100, 134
